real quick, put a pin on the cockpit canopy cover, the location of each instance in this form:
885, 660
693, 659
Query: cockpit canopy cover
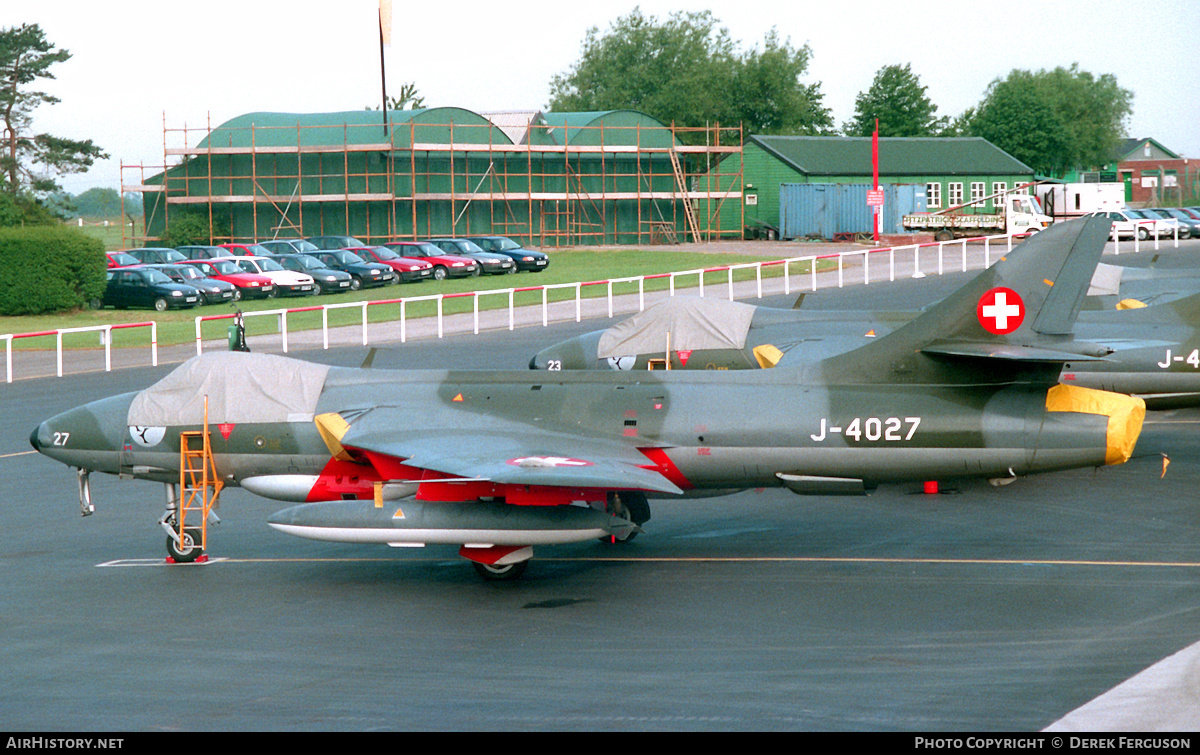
240, 387
694, 323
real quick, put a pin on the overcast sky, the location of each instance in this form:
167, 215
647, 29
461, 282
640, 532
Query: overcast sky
137, 61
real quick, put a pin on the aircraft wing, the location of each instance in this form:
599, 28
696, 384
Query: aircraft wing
507, 456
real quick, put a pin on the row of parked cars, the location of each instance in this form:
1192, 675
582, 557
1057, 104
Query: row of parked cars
1154, 222
188, 276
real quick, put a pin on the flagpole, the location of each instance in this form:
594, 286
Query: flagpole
875, 166
383, 74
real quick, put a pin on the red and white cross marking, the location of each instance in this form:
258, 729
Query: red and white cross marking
1000, 311
548, 461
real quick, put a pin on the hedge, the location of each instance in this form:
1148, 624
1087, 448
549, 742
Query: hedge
49, 269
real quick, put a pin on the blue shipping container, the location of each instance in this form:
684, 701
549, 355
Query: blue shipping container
822, 210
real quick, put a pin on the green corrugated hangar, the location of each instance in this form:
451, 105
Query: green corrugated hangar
952, 170
550, 179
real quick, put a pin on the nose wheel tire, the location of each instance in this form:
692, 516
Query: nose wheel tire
188, 548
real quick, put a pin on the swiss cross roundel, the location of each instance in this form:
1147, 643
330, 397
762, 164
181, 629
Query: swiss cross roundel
1000, 311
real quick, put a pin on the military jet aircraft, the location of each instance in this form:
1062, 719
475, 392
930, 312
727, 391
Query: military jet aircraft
498, 462
1155, 350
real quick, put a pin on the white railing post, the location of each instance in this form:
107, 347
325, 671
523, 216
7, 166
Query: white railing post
106, 334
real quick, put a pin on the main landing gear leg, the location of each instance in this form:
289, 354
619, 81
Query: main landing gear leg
631, 505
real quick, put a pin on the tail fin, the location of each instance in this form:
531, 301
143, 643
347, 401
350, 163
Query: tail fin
1014, 317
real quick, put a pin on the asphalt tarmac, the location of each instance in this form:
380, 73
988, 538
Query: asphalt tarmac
975, 609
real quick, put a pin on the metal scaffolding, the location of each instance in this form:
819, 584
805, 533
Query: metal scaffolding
606, 184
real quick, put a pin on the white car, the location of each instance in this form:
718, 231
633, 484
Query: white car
287, 282
1127, 222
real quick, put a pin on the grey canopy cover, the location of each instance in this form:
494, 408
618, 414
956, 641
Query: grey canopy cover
694, 324
240, 387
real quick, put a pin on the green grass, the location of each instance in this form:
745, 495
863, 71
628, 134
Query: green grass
567, 266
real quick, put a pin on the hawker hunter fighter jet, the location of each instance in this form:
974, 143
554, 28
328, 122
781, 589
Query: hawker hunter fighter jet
497, 462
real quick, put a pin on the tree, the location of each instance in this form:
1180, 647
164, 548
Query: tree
897, 98
689, 72
1053, 121
30, 161
408, 99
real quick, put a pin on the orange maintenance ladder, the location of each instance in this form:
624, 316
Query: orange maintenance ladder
199, 489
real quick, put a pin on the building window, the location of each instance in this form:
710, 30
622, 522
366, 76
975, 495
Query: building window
999, 189
955, 194
933, 195
978, 191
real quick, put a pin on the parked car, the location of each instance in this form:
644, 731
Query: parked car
334, 242
248, 250
212, 291
289, 246
1185, 220
407, 270
444, 265
252, 286
287, 282
1127, 223
121, 259
526, 259
157, 255
1167, 226
327, 280
490, 262
197, 252
147, 287
363, 274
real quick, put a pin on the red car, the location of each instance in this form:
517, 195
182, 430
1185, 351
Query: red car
444, 265
121, 259
407, 270
248, 285
248, 250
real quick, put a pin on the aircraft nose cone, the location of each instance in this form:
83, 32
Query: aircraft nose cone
33, 438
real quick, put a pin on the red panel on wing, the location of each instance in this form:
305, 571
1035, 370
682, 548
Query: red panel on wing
665, 467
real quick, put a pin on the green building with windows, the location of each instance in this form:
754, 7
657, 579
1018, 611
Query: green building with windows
953, 170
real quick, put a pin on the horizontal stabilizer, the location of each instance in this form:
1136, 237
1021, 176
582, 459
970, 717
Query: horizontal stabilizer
1013, 352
